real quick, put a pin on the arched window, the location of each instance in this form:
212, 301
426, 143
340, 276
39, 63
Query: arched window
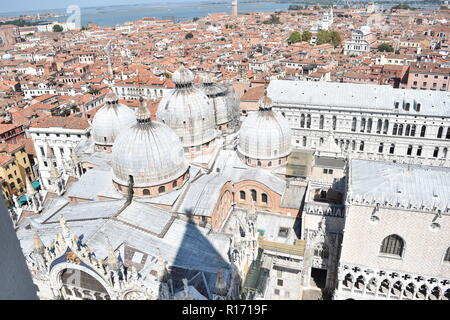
400, 129
264, 198
269, 164
423, 130
440, 130
334, 122
392, 244
386, 127
447, 136
369, 125
444, 155
447, 255
302, 120
362, 126
407, 130
413, 130
162, 189
259, 163
242, 195
308, 121
174, 184
146, 192
354, 124
379, 124
394, 130
321, 122
436, 152
253, 191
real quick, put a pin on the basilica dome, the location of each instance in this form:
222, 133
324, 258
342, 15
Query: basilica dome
220, 97
151, 153
187, 110
110, 120
265, 136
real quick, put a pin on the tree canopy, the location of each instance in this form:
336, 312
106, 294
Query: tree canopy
299, 36
189, 36
57, 28
329, 36
385, 47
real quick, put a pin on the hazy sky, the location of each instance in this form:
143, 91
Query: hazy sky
29, 5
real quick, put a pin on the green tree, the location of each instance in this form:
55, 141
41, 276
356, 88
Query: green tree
57, 28
195, 19
189, 36
306, 36
294, 37
385, 47
335, 38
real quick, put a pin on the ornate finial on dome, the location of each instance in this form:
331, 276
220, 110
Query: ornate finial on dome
207, 79
183, 77
142, 113
265, 103
111, 98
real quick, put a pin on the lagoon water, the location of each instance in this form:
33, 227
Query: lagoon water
113, 15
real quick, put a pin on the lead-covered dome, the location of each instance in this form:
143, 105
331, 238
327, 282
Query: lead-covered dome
218, 95
110, 120
150, 152
187, 110
265, 135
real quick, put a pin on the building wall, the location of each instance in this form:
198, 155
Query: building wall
369, 141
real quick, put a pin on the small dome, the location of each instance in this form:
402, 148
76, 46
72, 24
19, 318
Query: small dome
187, 110
150, 152
110, 120
265, 134
183, 76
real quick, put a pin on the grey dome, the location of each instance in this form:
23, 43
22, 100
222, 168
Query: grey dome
265, 134
187, 110
110, 120
183, 76
218, 95
150, 152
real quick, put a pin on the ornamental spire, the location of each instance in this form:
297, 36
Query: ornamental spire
142, 113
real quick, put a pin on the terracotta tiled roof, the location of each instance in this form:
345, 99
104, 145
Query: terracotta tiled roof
61, 122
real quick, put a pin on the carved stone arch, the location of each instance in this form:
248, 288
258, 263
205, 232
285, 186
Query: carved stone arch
134, 294
348, 280
372, 285
446, 295
410, 290
397, 288
384, 286
56, 281
435, 293
422, 292
360, 282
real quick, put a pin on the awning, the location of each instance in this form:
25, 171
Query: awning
36, 184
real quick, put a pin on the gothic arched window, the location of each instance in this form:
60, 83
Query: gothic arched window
423, 130
242, 195
392, 244
413, 130
162, 189
321, 122
354, 124
146, 192
440, 130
